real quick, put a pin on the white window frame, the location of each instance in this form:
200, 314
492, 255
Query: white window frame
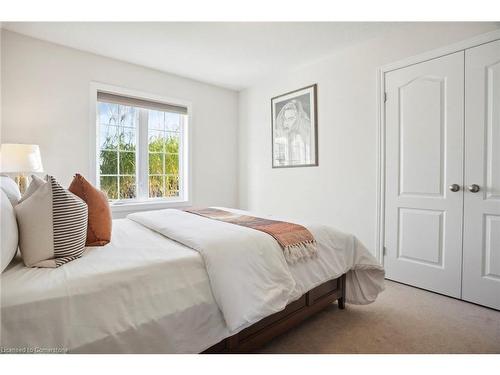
143, 202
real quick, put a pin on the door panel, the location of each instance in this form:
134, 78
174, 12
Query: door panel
491, 260
492, 127
481, 270
412, 246
421, 122
424, 154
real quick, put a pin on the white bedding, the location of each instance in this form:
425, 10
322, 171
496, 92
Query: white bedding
248, 273
145, 293
142, 293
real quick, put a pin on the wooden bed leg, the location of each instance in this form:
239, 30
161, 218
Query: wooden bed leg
341, 303
341, 300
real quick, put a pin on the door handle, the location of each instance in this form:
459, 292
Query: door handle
454, 187
473, 188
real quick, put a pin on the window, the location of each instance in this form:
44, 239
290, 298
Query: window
141, 149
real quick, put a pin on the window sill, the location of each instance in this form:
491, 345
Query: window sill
125, 208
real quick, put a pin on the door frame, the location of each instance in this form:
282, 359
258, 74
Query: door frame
381, 72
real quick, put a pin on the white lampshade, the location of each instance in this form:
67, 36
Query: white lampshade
20, 158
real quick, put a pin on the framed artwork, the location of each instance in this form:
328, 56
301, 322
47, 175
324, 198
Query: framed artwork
295, 128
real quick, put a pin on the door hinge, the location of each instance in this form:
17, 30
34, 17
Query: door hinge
384, 251
385, 97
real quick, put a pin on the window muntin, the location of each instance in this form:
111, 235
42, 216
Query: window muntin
121, 129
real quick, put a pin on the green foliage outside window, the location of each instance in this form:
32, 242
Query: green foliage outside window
164, 166
118, 158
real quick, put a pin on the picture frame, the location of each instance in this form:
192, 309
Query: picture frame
294, 128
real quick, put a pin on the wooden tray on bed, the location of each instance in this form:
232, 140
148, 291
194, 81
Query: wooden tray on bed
266, 329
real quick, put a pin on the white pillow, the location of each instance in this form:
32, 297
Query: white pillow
10, 188
52, 226
9, 234
35, 183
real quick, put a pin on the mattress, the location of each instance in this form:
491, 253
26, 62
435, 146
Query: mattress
142, 293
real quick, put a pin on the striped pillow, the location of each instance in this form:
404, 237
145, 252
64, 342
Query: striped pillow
52, 226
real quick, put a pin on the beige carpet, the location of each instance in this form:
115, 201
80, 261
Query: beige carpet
402, 320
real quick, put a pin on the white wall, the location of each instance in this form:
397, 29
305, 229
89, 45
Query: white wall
45, 100
342, 190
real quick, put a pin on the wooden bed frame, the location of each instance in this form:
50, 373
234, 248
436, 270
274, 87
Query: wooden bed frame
266, 329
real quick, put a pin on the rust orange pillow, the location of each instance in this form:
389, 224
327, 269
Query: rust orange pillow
100, 221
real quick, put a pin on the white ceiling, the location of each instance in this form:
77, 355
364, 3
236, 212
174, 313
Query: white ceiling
232, 55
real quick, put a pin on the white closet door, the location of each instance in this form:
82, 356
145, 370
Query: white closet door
424, 155
481, 270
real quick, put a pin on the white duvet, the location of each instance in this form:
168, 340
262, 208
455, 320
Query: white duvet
141, 293
249, 276
146, 293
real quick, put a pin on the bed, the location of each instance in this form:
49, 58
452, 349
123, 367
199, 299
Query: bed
146, 292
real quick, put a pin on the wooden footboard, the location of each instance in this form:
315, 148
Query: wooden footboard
266, 329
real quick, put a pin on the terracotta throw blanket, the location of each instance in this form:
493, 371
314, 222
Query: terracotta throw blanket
295, 240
